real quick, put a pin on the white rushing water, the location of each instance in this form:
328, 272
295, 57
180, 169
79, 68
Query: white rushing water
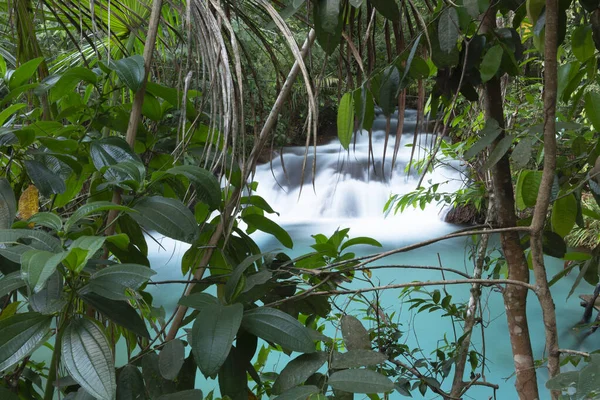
346, 195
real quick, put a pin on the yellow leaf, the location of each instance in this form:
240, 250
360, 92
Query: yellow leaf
367, 273
29, 203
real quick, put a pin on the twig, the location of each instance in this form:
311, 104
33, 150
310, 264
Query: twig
574, 352
422, 377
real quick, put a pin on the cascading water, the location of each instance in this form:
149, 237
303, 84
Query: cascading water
346, 195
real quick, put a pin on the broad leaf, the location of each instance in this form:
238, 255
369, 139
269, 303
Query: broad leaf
92, 208
10, 282
130, 70
82, 250
388, 91
167, 216
278, 327
298, 370
112, 281
491, 63
47, 182
24, 73
592, 108
212, 335
499, 151
266, 225
582, 43
357, 358
20, 335
522, 152
8, 204
38, 239
191, 394
354, 333
328, 19
47, 219
207, 186
86, 354
171, 359
564, 214
232, 285
111, 151
130, 384
9, 111
50, 299
120, 312
345, 120
448, 29
387, 8
360, 381
156, 385
360, 240
199, 301
298, 393
488, 134
37, 266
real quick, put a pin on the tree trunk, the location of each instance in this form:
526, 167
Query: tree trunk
515, 297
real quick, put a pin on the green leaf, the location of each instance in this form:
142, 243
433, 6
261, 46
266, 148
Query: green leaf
360, 240
266, 225
388, 91
8, 204
130, 384
156, 385
258, 202
169, 217
38, 239
592, 108
24, 73
111, 151
191, 394
278, 327
232, 377
9, 111
151, 108
487, 135
47, 219
212, 335
207, 186
491, 63
86, 354
582, 43
528, 186
328, 20
499, 151
522, 152
37, 266
564, 214
232, 285
387, 8
68, 80
20, 335
130, 71
47, 182
563, 380
357, 358
298, 370
589, 378
171, 359
172, 96
354, 333
6, 394
120, 312
199, 301
448, 29
112, 281
92, 208
50, 299
472, 7
298, 393
360, 381
82, 250
10, 282
345, 120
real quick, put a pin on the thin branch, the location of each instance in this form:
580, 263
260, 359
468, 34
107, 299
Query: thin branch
574, 352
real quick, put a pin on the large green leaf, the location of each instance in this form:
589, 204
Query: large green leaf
111, 151
24, 73
8, 204
50, 299
278, 327
582, 43
130, 384
9, 111
212, 335
360, 240
448, 29
357, 358
232, 285
528, 185
172, 96
491, 63
500, 150
10, 282
120, 312
68, 80
171, 359
266, 225
354, 333
111, 282
92, 208
169, 217
328, 19
298, 370
20, 335
47, 219
199, 301
360, 381
86, 354
592, 108
388, 91
232, 377
38, 239
564, 214
130, 70
82, 250
387, 8
345, 120
37, 266
191, 394
47, 182
156, 385
207, 186
299, 393
487, 135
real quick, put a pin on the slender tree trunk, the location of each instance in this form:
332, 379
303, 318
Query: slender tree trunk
515, 297
544, 194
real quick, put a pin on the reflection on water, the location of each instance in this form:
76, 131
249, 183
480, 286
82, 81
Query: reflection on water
347, 196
